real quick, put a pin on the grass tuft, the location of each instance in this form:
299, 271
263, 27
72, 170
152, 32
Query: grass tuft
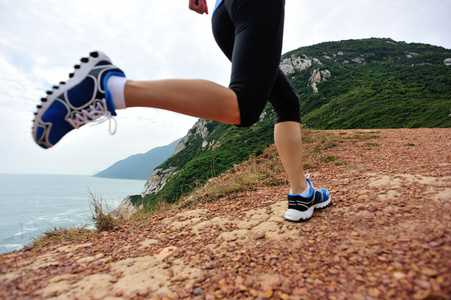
257, 171
101, 215
60, 234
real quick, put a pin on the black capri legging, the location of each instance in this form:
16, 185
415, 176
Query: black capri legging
250, 33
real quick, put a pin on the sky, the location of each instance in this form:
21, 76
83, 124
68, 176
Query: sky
41, 41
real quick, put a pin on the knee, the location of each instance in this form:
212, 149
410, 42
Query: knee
250, 113
289, 110
250, 118
250, 105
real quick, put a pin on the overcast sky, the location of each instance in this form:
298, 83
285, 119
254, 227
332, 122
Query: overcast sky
41, 40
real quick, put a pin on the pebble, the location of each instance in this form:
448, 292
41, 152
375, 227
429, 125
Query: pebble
268, 293
424, 284
428, 272
399, 275
198, 291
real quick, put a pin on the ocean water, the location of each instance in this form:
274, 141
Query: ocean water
32, 204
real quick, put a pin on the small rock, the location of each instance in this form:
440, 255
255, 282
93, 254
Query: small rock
428, 272
360, 278
424, 284
300, 292
399, 275
358, 296
218, 294
332, 271
119, 293
260, 236
133, 295
242, 288
374, 292
253, 293
398, 266
352, 250
284, 296
209, 297
108, 260
198, 291
227, 289
268, 293
113, 280
168, 251
421, 295
209, 266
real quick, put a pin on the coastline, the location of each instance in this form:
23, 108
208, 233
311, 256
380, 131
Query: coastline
34, 203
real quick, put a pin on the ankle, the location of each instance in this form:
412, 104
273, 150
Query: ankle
303, 190
115, 86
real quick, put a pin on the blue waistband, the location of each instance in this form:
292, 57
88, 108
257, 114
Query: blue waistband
216, 5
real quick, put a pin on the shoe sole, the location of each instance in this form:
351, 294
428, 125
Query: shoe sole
79, 75
294, 215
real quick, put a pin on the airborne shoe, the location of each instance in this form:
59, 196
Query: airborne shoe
82, 99
301, 209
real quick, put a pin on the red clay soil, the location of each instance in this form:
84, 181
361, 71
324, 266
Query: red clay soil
386, 236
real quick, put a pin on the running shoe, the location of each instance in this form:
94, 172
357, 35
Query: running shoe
82, 99
301, 209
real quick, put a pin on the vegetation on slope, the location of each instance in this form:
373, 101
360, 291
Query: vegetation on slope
195, 165
376, 83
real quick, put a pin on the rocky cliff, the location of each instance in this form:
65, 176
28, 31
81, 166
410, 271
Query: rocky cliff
126, 209
157, 180
161, 176
200, 129
296, 63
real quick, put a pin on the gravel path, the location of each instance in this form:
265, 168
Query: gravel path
386, 236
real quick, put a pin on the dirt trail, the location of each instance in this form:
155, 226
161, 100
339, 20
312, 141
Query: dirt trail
387, 236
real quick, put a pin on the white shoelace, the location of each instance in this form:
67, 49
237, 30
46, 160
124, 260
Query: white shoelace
96, 114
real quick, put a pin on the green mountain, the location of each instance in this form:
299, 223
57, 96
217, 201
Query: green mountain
374, 83
139, 166
370, 83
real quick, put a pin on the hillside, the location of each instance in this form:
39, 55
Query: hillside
373, 83
209, 149
386, 236
139, 166
370, 83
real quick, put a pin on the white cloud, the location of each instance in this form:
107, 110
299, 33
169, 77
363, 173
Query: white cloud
310, 22
17, 90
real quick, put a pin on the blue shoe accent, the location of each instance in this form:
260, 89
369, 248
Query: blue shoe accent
54, 123
82, 99
40, 132
301, 208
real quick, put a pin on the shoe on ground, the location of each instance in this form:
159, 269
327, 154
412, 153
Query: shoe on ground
80, 100
301, 209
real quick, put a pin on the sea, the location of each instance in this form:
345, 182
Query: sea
32, 204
